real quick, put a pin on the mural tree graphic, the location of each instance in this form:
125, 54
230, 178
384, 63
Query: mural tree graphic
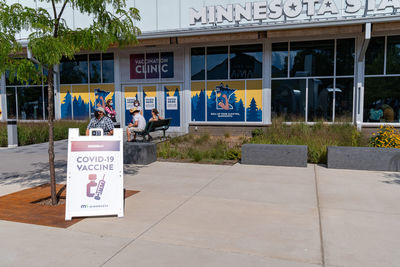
66, 111
253, 111
52, 39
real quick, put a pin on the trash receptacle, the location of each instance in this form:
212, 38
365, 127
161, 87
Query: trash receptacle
12, 133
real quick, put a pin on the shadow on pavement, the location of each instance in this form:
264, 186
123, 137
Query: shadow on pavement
395, 178
40, 174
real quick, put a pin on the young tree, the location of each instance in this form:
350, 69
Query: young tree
51, 39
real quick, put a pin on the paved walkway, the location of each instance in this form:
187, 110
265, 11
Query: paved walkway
210, 215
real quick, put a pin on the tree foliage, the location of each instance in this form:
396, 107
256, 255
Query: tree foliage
50, 37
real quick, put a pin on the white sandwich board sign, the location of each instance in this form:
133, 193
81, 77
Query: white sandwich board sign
95, 181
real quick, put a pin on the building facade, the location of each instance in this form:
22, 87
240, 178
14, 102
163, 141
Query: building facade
230, 63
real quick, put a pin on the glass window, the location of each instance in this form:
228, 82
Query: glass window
30, 103
198, 63
11, 103
246, 61
344, 100
74, 71
152, 65
312, 58
280, 55
217, 63
345, 57
374, 57
11, 82
95, 68
167, 65
320, 99
108, 67
382, 99
289, 99
393, 55
46, 102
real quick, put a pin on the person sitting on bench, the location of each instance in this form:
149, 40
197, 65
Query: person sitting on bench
155, 115
138, 125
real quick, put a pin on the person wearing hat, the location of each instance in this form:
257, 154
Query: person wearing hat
101, 121
138, 125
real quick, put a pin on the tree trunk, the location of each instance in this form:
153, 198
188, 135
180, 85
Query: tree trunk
50, 108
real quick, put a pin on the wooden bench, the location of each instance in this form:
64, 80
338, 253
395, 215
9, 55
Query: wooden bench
152, 126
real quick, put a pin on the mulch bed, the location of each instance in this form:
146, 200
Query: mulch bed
32, 206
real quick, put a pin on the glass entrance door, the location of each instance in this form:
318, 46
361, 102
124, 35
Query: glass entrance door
166, 98
172, 106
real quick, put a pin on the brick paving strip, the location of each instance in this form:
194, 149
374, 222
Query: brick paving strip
21, 207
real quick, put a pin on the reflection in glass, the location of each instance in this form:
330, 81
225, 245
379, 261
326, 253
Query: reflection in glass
382, 99
374, 57
320, 99
167, 65
393, 55
345, 56
74, 71
344, 100
30, 103
46, 102
312, 58
198, 62
280, 54
217, 63
108, 67
95, 68
246, 61
289, 99
11, 103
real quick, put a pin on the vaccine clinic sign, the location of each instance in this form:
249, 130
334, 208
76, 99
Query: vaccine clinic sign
95, 184
281, 10
152, 65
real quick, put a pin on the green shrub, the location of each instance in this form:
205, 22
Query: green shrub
202, 139
234, 154
38, 132
317, 137
257, 132
3, 135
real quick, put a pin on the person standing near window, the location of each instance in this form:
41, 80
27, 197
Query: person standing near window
111, 113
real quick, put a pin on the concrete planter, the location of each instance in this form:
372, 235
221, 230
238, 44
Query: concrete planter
139, 153
276, 155
364, 158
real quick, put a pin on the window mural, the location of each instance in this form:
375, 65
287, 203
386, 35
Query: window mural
239, 100
254, 100
80, 102
149, 100
99, 94
66, 102
225, 101
172, 104
131, 94
198, 101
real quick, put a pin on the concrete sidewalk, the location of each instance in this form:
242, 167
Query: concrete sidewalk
213, 215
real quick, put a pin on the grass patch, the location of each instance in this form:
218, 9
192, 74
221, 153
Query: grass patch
201, 148
212, 149
38, 132
317, 137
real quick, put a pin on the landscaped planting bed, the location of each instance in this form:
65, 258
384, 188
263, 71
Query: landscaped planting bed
38, 132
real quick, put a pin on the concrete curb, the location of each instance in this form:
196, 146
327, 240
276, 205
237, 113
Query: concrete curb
275, 155
364, 158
